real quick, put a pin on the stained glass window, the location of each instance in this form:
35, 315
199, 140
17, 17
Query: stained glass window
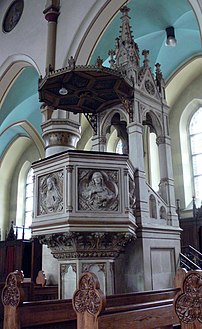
195, 131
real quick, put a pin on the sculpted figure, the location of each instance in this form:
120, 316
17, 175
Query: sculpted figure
51, 195
97, 194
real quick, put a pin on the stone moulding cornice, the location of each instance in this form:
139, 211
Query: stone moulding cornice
87, 245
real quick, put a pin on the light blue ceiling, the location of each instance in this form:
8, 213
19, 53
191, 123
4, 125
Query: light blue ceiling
149, 19
25, 86
21, 104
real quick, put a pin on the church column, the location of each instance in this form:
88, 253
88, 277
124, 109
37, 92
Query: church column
59, 133
135, 132
98, 141
69, 188
166, 186
51, 13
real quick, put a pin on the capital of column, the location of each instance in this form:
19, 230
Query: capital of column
163, 140
98, 143
135, 127
52, 12
84, 245
99, 139
160, 140
70, 168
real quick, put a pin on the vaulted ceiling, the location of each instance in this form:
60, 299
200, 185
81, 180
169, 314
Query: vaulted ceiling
149, 19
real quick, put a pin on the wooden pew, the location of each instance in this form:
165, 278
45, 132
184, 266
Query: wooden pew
142, 310
188, 302
146, 310
37, 314
162, 310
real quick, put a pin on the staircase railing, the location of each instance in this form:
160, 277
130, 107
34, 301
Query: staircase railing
191, 258
187, 263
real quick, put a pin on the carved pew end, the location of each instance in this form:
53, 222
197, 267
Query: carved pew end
12, 296
88, 301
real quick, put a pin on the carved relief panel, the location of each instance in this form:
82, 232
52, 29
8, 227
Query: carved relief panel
98, 190
50, 193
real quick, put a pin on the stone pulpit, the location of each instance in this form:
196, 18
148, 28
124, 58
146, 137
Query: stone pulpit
90, 205
84, 213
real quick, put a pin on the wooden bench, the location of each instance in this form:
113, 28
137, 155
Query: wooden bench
162, 310
141, 310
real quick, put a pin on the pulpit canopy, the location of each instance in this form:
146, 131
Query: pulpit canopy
87, 89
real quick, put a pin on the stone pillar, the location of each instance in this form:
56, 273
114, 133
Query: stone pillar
51, 13
69, 188
98, 143
166, 186
136, 156
79, 252
59, 133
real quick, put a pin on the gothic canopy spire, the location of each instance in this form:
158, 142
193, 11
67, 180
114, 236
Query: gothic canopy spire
127, 51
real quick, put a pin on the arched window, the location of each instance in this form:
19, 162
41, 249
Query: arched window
24, 201
29, 198
152, 207
195, 131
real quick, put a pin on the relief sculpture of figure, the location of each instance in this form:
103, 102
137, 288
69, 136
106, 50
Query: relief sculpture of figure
51, 196
98, 195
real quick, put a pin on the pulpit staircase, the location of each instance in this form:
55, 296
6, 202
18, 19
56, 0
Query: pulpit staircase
190, 258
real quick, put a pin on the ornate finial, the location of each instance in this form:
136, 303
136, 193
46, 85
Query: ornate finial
11, 235
12, 294
99, 62
127, 52
71, 62
49, 69
125, 10
159, 74
111, 54
145, 53
117, 44
88, 298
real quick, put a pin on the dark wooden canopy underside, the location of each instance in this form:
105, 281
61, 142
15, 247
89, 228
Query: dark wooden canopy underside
89, 90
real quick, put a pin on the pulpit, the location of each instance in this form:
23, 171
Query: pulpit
84, 213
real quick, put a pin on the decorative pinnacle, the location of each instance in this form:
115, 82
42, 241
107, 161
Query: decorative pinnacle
125, 10
111, 54
99, 62
145, 53
127, 51
71, 62
159, 76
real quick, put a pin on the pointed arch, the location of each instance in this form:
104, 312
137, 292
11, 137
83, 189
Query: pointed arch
150, 118
30, 132
106, 121
10, 70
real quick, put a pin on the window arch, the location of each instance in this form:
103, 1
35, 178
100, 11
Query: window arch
28, 199
24, 202
195, 133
